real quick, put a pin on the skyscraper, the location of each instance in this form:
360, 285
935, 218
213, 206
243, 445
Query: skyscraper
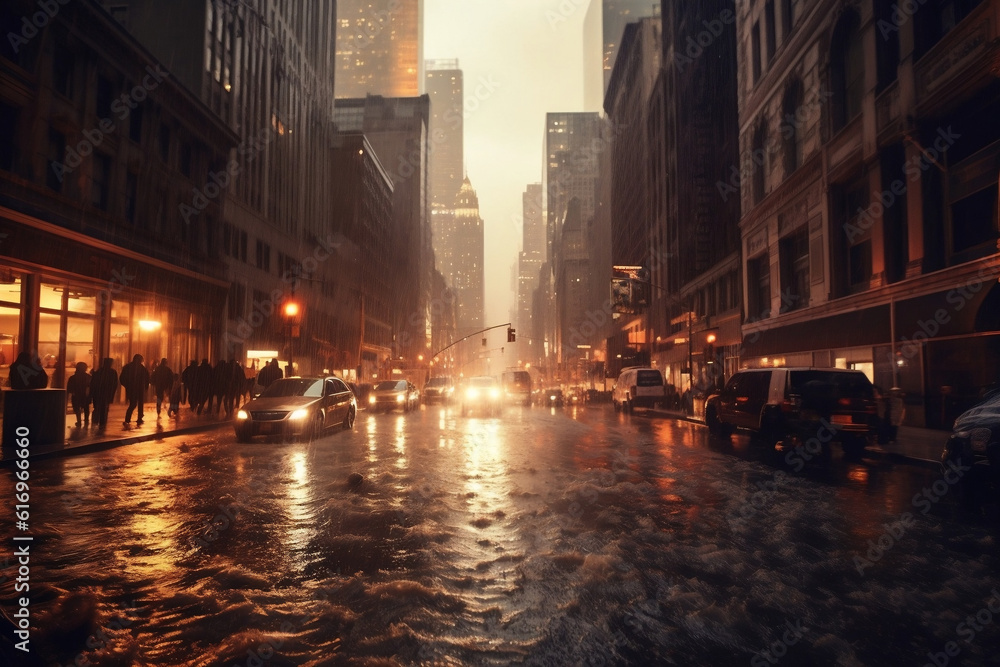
532, 254
602, 34
444, 86
379, 48
467, 276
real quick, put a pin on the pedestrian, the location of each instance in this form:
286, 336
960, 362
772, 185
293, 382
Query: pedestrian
269, 374
234, 386
187, 379
176, 394
220, 381
202, 385
163, 380
26, 373
135, 380
78, 388
895, 412
103, 386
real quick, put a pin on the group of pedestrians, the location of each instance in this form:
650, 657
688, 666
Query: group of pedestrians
215, 389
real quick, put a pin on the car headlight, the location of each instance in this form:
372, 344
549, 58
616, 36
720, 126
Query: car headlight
371, 399
301, 413
400, 398
243, 414
472, 394
451, 390
494, 393
552, 397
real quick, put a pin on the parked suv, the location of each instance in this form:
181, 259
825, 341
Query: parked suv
638, 386
795, 404
516, 387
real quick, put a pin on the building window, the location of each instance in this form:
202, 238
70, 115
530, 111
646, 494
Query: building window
786, 19
755, 51
62, 70
8, 130
163, 143
857, 246
793, 253
237, 301
770, 36
263, 256
234, 242
759, 288
53, 162
100, 181
939, 19
131, 196
135, 125
847, 70
887, 44
791, 129
102, 100
759, 162
185, 165
974, 229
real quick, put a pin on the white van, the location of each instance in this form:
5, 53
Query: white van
638, 386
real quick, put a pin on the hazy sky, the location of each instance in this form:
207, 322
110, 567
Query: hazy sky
520, 59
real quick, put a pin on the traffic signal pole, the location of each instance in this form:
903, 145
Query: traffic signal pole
475, 333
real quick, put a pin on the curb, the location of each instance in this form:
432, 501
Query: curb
878, 453
118, 442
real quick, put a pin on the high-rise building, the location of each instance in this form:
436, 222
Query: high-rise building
530, 260
380, 48
602, 34
444, 86
467, 275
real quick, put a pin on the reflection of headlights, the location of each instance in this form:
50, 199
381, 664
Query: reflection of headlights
494, 393
472, 394
242, 414
371, 399
552, 397
451, 390
400, 398
301, 413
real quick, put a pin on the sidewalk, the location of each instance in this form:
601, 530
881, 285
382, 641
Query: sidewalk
84, 439
915, 446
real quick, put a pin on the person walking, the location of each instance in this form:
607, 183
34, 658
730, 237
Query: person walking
135, 380
176, 393
269, 374
187, 379
202, 386
78, 388
163, 380
103, 386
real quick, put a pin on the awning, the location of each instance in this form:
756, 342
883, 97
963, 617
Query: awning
869, 326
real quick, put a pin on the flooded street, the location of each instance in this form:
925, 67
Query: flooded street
576, 536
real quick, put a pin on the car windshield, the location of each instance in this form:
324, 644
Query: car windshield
310, 387
986, 414
437, 382
854, 384
648, 379
481, 382
391, 385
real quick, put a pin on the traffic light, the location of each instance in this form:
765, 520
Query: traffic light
511, 337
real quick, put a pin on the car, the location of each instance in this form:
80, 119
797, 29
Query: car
482, 394
391, 394
440, 389
973, 450
516, 387
788, 406
638, 387
553, 398
297, 406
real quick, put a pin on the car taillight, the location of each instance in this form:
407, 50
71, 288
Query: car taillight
791, 404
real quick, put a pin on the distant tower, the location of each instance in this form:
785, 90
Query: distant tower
602, 35
467, 277
444, 86
380, 48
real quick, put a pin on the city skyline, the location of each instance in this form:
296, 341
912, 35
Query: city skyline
506, 102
